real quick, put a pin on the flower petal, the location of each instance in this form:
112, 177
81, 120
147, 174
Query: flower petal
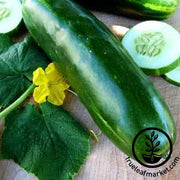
56, 96
62, 85
53, 74
39, 77
40, 94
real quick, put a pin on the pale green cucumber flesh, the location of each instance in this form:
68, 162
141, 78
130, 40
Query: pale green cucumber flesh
173, 76
154, 46
10, 15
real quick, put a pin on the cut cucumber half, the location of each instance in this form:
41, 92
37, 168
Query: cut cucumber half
174, 76
154, 46
10, 15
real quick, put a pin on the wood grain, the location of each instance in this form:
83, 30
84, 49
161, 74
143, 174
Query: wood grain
106, 162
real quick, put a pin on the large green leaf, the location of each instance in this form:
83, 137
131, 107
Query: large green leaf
17, 63
5, 43
50, 143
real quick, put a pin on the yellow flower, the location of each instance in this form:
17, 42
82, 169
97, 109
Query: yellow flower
50, 85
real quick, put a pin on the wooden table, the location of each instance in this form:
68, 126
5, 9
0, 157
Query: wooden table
106, 162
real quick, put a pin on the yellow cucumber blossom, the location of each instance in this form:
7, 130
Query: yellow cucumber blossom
50, 85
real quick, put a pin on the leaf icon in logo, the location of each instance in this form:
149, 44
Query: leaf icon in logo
156, 150
152, 156
158, 143
152, 134
148, 150
147, 144
147, 137
155, 137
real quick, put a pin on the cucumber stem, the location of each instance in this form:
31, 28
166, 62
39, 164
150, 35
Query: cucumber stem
72, 92
94, 135
16, 103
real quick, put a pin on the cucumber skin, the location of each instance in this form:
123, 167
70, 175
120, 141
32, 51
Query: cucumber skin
161, 71
119, 97
144, 9
171, 81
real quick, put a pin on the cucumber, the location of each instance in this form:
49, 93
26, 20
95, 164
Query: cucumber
154, 46
173, 76
144, 9
118, 95
10, 16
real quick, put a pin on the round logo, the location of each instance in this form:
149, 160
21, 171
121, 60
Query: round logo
150, 147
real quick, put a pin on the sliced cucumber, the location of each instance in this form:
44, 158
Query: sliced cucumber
10, 15
154, 46
174, 76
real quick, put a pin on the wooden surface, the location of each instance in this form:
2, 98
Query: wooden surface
106, 162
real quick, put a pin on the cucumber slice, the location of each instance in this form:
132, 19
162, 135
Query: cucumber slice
154, 46
174, 76
10, 15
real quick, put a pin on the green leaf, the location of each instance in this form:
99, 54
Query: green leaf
5, 43
50, 144
17, 63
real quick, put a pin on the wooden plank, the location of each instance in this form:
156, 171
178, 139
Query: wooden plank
106, 162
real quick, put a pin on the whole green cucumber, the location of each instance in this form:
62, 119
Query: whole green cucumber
120, 98
144, 9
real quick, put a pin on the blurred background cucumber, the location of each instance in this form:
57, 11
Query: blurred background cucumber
144, 9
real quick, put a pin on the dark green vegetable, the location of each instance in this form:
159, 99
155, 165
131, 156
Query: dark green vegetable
120, 98
145, 9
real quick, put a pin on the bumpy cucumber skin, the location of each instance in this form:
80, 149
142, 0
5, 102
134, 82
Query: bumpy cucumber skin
144, 9
120, 98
